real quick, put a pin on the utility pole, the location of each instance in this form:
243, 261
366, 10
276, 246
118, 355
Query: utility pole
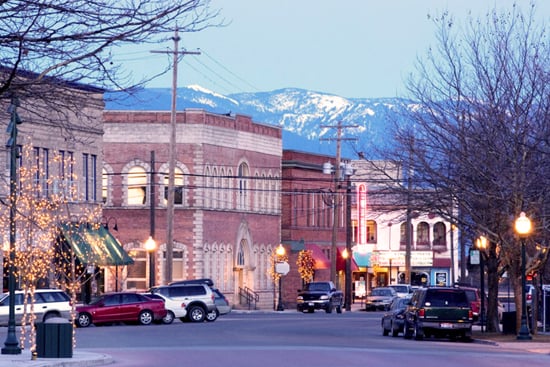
172, 158
335, 202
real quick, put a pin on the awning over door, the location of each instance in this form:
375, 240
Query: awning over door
321, 261
341, 261
94, 244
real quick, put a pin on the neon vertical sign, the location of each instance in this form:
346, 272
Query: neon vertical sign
361, 214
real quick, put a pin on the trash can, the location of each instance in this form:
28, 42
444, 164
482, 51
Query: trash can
509, 322
54, 338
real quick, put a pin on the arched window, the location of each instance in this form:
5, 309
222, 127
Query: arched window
423, 236
137, 186
178, 187
240, 254
243, 186
440, 237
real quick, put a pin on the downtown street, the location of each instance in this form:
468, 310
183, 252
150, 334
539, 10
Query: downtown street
289, 338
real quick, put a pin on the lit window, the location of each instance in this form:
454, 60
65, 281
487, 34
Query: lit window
137, 186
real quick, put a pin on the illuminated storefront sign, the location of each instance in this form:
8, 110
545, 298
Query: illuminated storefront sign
361, 214
418, 258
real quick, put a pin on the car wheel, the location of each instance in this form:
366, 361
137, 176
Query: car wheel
213, 315
418, 333
169, 318
394, 331
407, 332
385, 331
329, 308
339, 309
145, 317
83, 320
196, 314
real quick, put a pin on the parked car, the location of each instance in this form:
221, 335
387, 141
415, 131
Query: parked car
48, 303
394, 320
402, 290
222, 304
198, 299
529, 294
380, 298
121, 307
174, 308
474, 298
439, 312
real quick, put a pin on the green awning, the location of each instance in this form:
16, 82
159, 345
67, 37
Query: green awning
94, 244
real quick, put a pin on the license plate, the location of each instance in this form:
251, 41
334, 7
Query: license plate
446, 325
310, 304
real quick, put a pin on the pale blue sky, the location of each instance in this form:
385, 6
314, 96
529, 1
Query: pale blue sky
352, 48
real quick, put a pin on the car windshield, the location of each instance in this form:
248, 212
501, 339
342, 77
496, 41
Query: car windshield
401, 288
381, 292
318, 287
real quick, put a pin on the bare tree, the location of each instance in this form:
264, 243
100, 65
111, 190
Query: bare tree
477, 138
48, 46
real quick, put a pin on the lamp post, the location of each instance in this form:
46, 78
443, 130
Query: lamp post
150, 246
523, 228
11, 345
481, 244
280, 253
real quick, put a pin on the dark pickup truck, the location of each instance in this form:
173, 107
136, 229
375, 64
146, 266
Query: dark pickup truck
320, 296
438, 312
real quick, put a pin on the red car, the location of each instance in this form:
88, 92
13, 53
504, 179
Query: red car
122, 306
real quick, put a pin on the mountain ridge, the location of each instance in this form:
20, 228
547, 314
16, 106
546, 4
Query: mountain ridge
305, 116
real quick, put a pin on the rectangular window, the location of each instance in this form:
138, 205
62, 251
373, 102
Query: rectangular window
86, 176
94, 177
62, 165
45, 171
36, 173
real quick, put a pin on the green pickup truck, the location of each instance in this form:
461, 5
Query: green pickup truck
439, 312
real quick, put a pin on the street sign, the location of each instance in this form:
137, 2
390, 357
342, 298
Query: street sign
282, 268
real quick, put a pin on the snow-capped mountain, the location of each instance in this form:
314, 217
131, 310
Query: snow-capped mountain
307, 117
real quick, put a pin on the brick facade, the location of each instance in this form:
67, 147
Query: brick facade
228, 221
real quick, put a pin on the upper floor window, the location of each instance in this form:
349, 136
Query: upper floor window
440, 237
371, 231
137, 186
243, 186
423, 236
178, 187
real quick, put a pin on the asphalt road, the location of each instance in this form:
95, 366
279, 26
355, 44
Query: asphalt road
288, 339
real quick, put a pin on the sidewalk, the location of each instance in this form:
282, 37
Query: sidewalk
84, 359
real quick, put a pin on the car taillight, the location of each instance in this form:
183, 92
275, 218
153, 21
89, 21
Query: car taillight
470, 315
213, 297
421, 312
528, 297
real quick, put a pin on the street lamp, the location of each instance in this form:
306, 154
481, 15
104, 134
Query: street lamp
523, 228
11, 345
481, 244
151, 246
280, 253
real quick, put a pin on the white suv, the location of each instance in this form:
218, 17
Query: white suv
48, 303
196, 299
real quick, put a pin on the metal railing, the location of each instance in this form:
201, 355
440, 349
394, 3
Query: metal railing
248, 297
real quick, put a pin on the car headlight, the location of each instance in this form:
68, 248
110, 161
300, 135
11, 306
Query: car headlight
324, 297
300, 298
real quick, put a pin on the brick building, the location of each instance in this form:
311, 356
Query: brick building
377, 230
226, 221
